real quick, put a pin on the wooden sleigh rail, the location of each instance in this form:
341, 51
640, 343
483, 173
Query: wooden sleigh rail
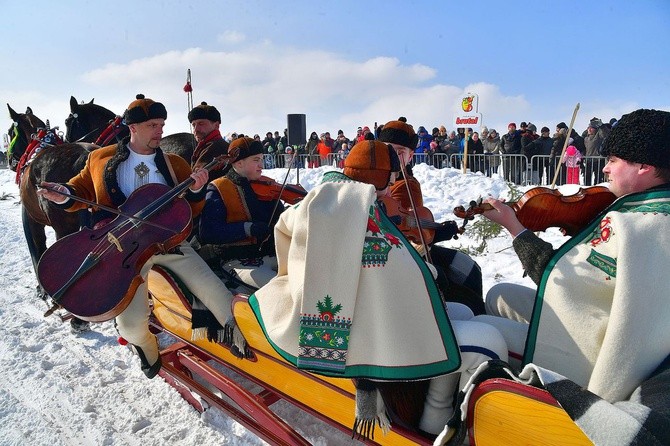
181, 362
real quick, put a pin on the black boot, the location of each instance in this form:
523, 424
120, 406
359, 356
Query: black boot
79, 326
149, 370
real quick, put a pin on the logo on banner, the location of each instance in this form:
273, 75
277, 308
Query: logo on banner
469, 114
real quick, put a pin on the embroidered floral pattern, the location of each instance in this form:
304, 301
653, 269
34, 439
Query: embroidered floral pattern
324, 338
378, 242
603, 233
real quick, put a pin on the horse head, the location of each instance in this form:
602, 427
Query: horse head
86, 121
23, 127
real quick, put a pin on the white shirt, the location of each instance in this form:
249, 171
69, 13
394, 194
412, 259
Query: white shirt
137, 171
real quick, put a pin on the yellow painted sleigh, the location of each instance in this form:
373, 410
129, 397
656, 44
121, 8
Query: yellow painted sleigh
501, 412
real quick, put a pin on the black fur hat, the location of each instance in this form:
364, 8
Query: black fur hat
642, 136
142, 109
204, 111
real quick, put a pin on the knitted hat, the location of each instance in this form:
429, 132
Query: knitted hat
545, 129
244, 147
571, 150
399, 132
371, 162
204, 111
511, 124
523, 124
642, 136
142, 109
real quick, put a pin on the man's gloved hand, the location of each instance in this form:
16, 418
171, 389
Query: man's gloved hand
259, 229
446, 231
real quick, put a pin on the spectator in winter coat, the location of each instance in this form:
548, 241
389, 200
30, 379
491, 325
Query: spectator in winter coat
572, 161
423, 146
476, 153
324, 150
593, 164
310, 149
510, 144
451, 147
491, 152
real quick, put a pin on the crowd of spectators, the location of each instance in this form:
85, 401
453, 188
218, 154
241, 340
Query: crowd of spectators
525, 155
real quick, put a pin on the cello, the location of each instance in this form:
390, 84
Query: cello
94, 273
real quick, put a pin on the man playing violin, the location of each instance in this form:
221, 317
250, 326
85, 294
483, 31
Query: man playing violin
600, 315
459, 277
236, 222
205, 120
360, 302
113, 173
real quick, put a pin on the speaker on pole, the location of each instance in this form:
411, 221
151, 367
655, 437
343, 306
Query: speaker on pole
297, 129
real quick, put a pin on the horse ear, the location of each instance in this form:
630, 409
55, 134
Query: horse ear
29, 111
73, 103
12, 113
92, 101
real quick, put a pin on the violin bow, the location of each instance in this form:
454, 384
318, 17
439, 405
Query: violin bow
426, 254
274, 209
565, 146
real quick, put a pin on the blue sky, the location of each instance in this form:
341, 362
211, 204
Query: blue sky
342, 63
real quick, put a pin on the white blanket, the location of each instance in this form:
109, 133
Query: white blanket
351, 297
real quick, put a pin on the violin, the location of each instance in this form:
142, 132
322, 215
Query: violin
405, 220
541, 208
268, 189
94, 273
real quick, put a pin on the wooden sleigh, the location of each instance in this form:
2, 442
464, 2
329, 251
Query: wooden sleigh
501, 412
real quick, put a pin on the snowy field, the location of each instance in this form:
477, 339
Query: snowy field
57, 388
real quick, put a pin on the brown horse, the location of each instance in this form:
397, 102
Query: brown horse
57, 163
20, 134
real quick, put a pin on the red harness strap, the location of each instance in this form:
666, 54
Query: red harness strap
113, 129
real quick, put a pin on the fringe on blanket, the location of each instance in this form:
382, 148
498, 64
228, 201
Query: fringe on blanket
370, 411
205, 326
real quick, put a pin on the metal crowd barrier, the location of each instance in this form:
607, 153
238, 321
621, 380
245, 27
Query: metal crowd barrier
540, 170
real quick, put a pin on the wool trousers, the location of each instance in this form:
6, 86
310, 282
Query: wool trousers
133, 323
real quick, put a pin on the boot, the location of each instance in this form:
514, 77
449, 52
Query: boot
150, 370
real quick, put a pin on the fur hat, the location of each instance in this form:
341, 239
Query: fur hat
642, 136
142, 109
561, 125
545, 129
399, 132
371, 162
532, 127
244, 147
204, 111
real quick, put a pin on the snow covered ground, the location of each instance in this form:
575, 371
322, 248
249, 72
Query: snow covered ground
57, 388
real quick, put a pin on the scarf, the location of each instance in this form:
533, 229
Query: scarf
202, 145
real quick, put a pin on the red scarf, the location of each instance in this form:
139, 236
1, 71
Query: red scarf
214, 134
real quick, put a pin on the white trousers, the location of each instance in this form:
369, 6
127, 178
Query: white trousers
133, 322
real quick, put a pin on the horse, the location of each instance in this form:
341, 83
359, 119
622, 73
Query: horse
87, 121
55, 163
21, 131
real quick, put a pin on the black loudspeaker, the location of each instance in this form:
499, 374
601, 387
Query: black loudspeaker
297, 130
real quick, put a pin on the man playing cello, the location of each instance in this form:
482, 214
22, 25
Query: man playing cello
110, 175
